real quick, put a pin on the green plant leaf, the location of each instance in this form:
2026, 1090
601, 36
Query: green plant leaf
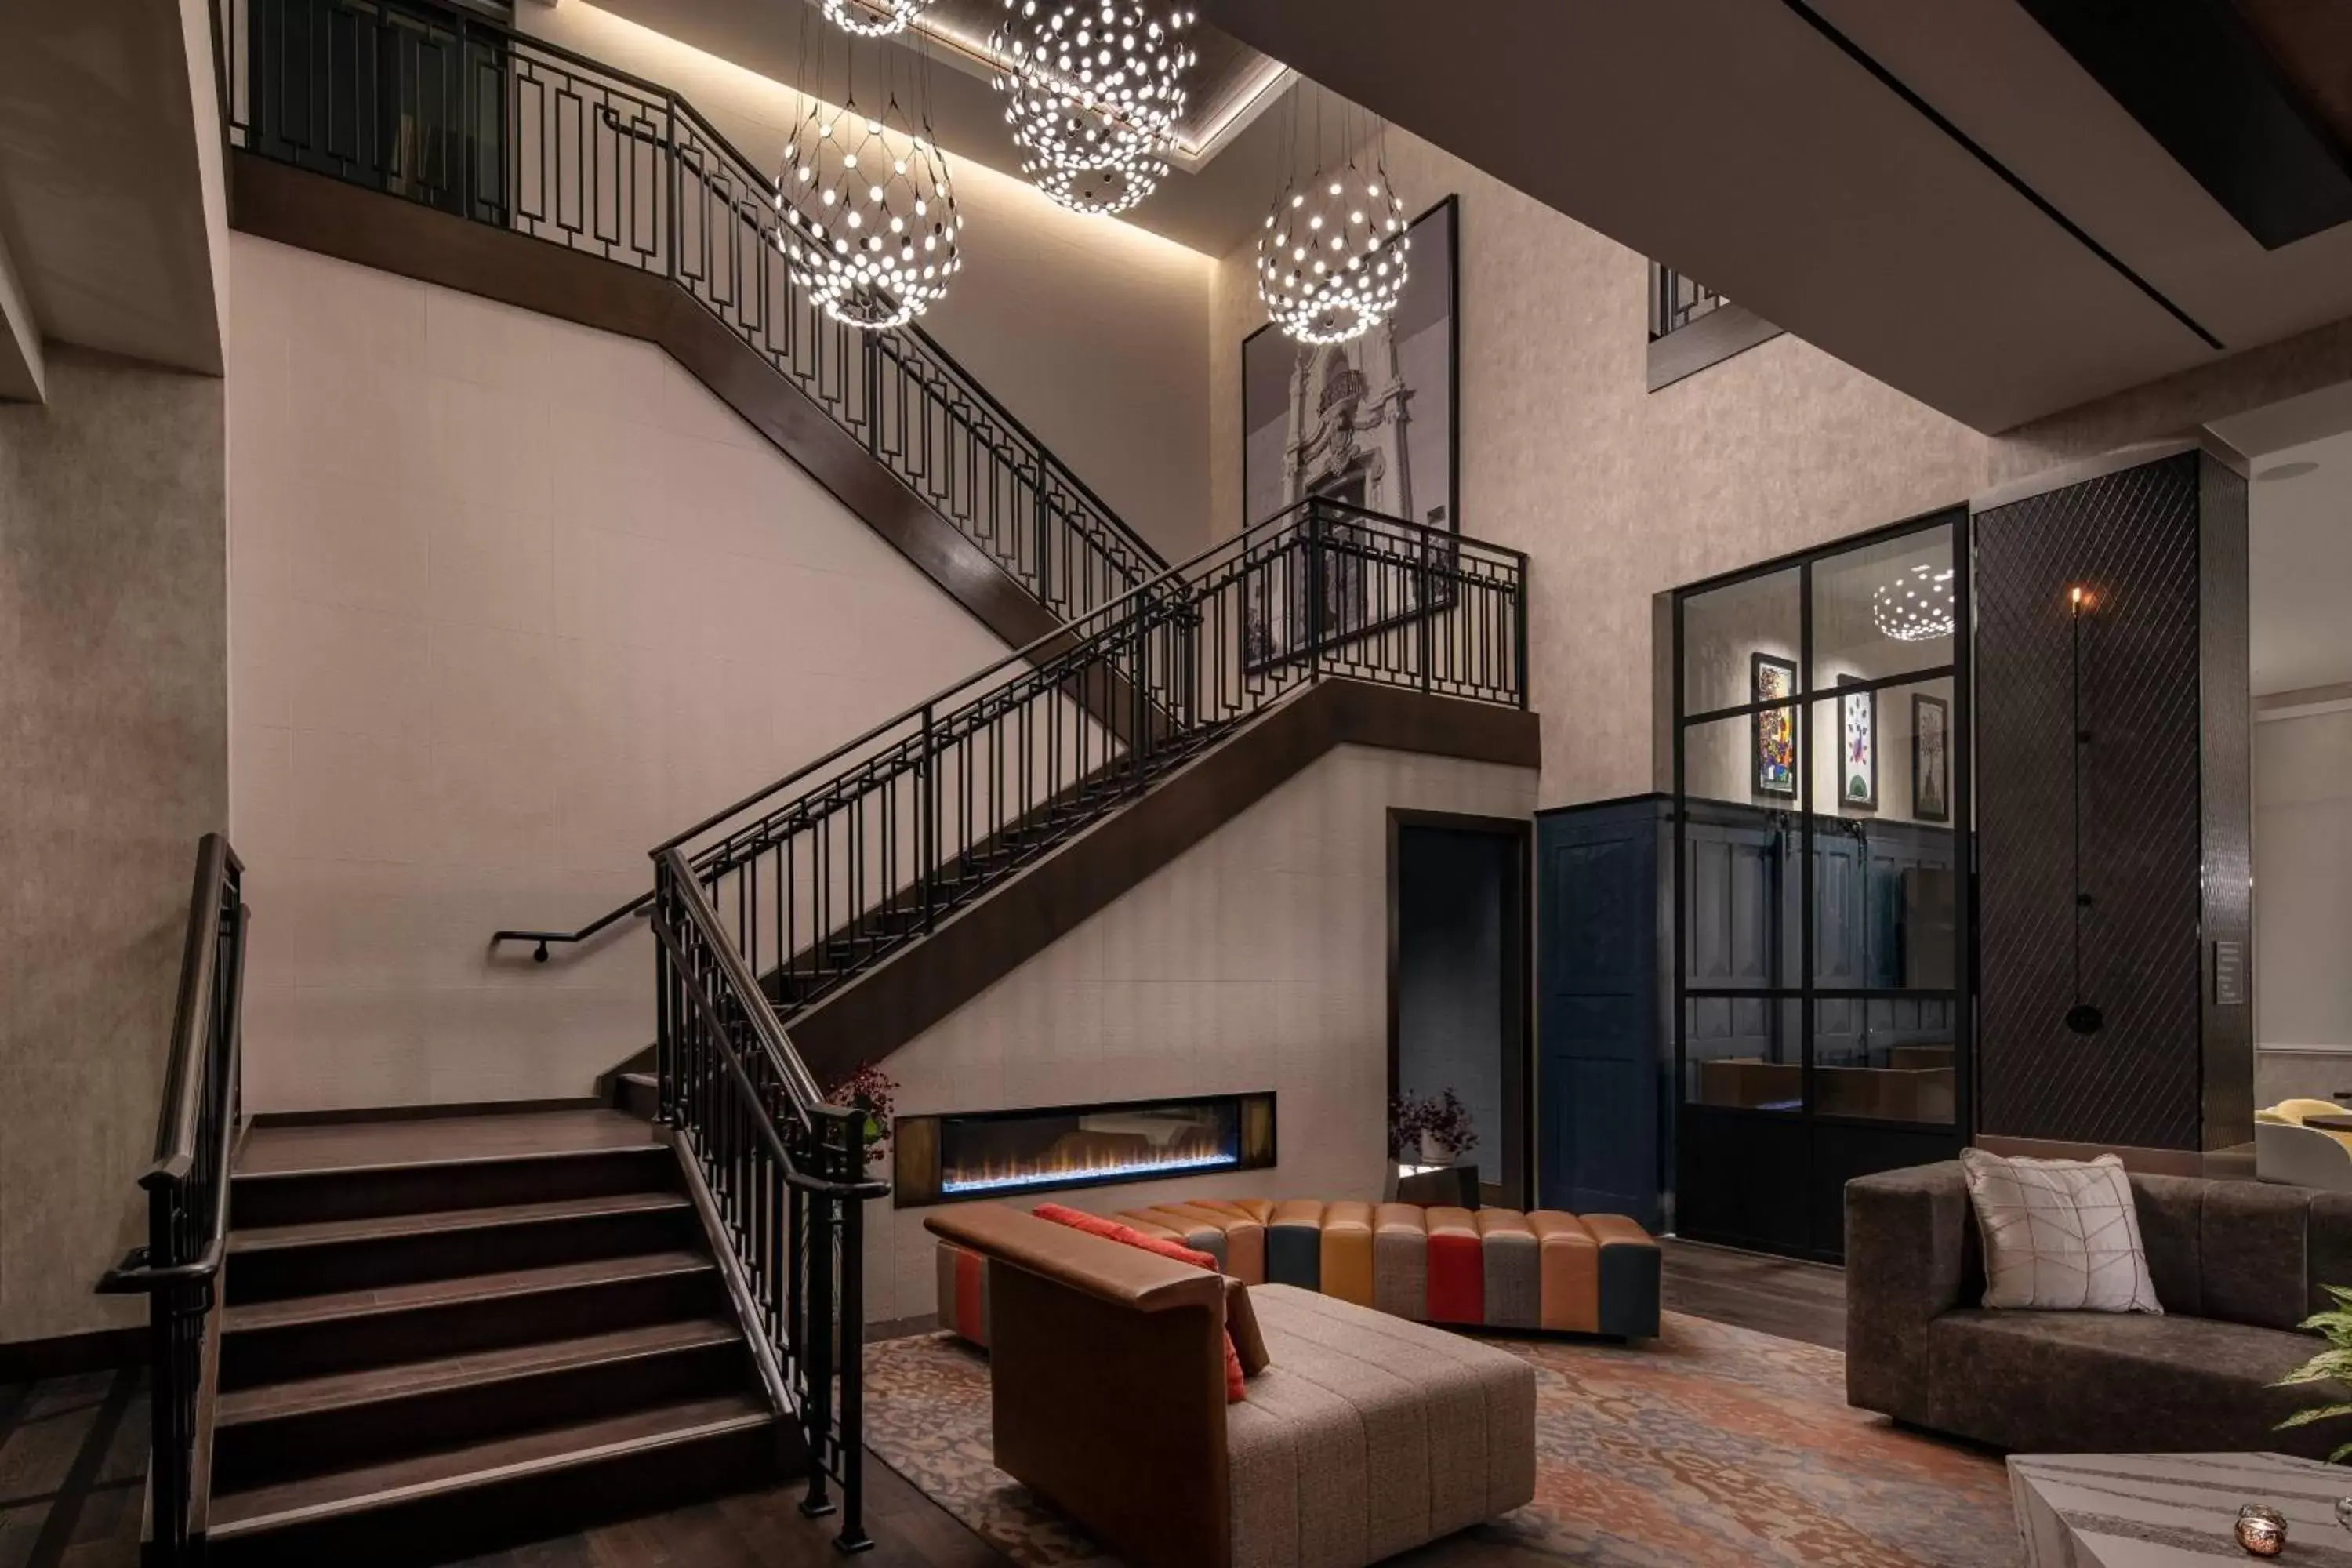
2343, 1293
2315, 1412
2325, 1364
2337, 1457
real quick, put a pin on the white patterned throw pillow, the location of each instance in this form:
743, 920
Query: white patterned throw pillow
2058, 1233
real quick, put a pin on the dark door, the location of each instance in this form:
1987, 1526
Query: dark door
1457, 981
1598, 1016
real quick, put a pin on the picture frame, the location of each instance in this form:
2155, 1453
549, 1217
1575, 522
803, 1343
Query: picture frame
1857, 748
1402, 455
1773, 748
1931, 759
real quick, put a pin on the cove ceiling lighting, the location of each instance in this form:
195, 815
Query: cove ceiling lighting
1916, 606
1093, 91
866, 218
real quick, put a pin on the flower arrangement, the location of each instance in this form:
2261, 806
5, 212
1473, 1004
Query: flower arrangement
2333, 1364
875, 1092
1440, 1119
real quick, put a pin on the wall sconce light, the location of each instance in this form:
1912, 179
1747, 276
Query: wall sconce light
2083, 1017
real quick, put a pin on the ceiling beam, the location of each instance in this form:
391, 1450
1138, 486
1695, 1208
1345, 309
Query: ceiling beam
23, 376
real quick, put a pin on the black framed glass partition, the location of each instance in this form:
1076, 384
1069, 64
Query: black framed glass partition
1821, 931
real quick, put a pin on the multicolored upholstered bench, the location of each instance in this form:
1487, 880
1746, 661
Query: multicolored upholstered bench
1484, 1268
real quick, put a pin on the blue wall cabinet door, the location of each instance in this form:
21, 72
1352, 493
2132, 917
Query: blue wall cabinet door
1601, 980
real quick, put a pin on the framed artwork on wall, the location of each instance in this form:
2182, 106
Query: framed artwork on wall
1858, 748
1776, 728
1371, 424
1374, 422
1931, 763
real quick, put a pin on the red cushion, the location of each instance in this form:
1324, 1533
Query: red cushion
1112, 1230
1457, 1280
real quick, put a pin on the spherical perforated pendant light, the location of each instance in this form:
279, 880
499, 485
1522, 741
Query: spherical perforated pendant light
1093, 91
867, 217
874, 18
1334, 256
1916, 606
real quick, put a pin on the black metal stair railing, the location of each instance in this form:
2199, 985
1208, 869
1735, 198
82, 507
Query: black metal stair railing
785, 1172
828, 872
187, 1191
422, 101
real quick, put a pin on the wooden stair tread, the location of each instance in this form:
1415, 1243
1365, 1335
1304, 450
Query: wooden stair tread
463, 1287
309, 1149
387, 1227
422, 1475
308, 1396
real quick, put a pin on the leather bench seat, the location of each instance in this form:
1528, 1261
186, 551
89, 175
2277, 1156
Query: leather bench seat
1593, 1274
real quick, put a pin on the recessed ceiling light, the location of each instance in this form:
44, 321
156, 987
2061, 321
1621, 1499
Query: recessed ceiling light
2287, 471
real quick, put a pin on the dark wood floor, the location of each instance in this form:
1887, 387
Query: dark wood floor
1776, 1295
72, 1454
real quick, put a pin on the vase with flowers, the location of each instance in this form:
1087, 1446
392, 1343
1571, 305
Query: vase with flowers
1430, 1129
875, 1092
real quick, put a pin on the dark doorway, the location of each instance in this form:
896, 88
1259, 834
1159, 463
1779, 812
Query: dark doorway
1457, 980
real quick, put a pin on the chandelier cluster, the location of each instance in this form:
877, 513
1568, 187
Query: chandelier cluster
1093, 91
1334, 256
867, 217
1916, 606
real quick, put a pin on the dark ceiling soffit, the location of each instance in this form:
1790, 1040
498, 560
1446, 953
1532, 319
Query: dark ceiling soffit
2198, 80
2008, 176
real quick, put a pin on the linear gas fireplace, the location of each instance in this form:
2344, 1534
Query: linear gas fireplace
1012, 1153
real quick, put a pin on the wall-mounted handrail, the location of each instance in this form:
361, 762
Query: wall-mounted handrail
188, 1190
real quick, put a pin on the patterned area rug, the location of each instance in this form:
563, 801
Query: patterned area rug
1711, 1445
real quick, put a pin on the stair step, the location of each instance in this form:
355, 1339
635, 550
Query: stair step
513, 1486
341, 1254
640, 1094
308, 1336
271, 1199
279, 1431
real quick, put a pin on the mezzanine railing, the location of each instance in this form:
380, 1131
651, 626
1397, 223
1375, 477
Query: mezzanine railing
435, 105
187, 1189
1677, 300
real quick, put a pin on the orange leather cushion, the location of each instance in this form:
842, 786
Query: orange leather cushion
1348, 1252
1245, 1237
1112, 1230
1572, 1272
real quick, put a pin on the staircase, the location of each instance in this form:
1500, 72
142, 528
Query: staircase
440, 1336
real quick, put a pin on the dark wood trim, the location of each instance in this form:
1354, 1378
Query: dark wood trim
1723, 332
63, 1355
893, 1003
417, 1112
294, 206
1519, 987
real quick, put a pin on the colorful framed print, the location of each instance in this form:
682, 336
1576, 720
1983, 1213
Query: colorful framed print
1931, 759
1858, 748
1776, 728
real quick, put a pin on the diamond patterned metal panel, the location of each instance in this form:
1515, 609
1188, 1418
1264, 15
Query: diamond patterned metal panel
2131, 540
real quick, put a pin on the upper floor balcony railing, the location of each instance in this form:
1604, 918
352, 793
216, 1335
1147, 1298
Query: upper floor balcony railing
440, 106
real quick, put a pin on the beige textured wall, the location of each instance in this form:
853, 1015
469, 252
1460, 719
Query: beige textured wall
1255, 959
1618, 493
512, 601
1087, 329
113, 697
2303, 873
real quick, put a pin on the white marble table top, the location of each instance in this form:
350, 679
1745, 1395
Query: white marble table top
2172, 1511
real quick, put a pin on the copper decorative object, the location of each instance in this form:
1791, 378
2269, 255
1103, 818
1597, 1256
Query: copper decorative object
2262, 1530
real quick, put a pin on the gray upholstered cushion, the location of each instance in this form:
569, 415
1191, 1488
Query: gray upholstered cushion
2077, 1383
1369, 1435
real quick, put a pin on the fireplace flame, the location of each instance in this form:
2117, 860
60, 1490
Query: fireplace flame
1073, 1161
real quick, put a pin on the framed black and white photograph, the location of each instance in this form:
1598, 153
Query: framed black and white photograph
1371, 424
1858, 748
1931, 765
